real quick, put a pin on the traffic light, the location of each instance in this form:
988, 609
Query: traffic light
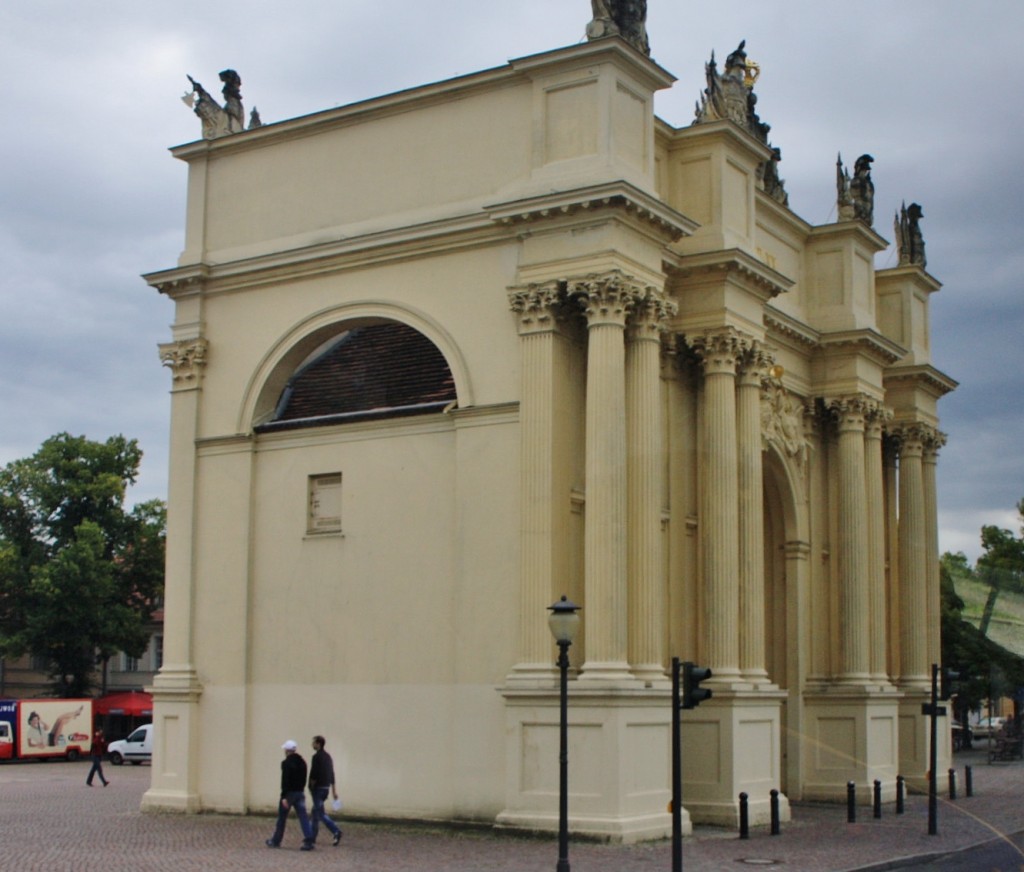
693, 693
947, 676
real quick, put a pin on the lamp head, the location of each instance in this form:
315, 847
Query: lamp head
564, 620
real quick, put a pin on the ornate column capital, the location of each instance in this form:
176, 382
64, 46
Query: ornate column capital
911, 437
877, 421
607, 298
650, 315
538, 305
754, 364
719, 350
186, 359
933, 442
852, 412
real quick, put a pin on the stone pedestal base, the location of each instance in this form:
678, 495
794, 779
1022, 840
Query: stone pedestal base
619, 762
852, 735
731, 745
173, 780
915, 741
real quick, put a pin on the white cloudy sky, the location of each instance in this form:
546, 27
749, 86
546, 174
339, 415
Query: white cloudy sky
90, 198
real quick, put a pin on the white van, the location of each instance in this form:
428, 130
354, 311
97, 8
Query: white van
136, 748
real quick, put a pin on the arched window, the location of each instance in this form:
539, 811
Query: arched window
377, 371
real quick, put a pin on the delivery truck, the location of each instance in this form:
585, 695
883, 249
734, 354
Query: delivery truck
45, 728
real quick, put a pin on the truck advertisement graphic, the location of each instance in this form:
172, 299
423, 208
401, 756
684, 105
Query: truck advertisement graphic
43, 728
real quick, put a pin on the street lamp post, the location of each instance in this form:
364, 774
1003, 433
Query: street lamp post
564, 622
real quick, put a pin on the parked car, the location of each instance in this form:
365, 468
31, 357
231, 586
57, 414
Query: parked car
137, 748
988, 727
962, 737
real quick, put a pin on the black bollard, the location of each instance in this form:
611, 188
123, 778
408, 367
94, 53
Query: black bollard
878, 799
744, 817
775, 811
851, 802
952, 784
968, 781
899, 795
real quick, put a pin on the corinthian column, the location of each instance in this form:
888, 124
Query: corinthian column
606, 300
539, 585
934, 440
720, 506
645, 562
874, 478
753, 368
853, 564
914, 662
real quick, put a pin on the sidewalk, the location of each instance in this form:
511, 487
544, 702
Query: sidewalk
50, 821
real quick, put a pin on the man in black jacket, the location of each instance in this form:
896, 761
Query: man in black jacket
293, 795
321, 783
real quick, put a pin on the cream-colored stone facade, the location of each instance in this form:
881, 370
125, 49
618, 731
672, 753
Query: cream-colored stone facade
706, 421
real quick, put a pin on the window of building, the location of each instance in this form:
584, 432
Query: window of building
372, 372
324, 514
158, 652
130, 664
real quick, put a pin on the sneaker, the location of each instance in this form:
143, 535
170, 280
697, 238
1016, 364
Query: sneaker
306, 847
272, 844
337, 838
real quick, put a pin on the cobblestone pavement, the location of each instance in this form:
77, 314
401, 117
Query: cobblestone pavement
51, 822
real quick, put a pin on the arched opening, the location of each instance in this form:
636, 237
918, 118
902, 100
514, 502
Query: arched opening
366, 372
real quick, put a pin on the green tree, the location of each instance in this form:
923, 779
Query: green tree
80, 575
1002, 565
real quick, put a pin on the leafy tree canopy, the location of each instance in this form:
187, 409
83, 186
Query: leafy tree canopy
80, 575
985, 667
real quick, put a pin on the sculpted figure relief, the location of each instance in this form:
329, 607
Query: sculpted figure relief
625, 18
220, 120
730, 95
855, 198
909, 240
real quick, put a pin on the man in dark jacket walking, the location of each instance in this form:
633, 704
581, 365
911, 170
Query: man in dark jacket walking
321, 783
293, 795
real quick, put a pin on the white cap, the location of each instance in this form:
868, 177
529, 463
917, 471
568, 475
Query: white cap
289, 745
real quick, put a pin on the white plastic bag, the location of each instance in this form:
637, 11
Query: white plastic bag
336, 805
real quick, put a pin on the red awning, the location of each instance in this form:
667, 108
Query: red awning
135, 703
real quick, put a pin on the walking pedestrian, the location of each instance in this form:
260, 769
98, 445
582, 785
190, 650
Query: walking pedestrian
321, 783
99, 748
293, 795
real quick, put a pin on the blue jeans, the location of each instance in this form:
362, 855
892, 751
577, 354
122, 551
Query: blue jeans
97, 769
296, 800
319, 798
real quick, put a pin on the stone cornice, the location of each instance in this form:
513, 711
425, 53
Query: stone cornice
858, 229
867, 342
345, 252
794, 332
733, 262
722, 130
179, 282
619, 196
911, 274
925, 376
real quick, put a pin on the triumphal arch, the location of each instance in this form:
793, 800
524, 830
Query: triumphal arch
445, 355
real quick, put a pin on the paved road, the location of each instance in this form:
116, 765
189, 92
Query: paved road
51, 822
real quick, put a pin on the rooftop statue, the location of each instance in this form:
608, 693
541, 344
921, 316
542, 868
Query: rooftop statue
855, 198
730, 95
625, 18
909, 241
220, 120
